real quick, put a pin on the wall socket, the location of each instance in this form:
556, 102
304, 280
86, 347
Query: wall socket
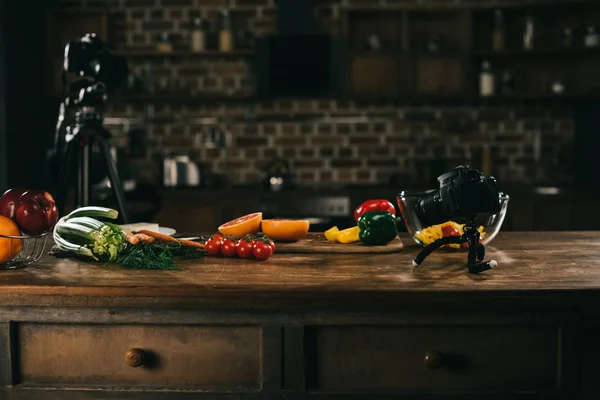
212, 137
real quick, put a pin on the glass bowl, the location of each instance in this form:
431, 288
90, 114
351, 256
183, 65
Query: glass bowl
489, 226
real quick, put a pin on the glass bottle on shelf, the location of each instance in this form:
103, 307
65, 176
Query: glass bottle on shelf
486, 80
225, 35
528, 33
164, 43
557, 87
508, 83
498, 33
591, 38
198, 42
567, 38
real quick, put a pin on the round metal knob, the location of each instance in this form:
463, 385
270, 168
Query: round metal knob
134, 357
433, 359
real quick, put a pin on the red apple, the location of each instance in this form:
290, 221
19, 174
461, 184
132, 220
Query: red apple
9, 202
36, 212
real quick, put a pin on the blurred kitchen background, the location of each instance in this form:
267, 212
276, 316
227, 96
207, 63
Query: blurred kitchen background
305, 108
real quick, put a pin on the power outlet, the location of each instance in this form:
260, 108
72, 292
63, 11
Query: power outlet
212, 137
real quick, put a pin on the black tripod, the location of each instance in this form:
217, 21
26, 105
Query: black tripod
88, 129
476, 250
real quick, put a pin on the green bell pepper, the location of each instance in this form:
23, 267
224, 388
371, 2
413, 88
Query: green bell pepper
377, 228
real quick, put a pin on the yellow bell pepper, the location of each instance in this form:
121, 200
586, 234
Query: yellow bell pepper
349, 235
332, 234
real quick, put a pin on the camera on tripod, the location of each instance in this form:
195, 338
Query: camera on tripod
89, 56
80, 124
464, 194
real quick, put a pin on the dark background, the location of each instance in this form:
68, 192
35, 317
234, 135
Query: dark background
382, 144
25, 119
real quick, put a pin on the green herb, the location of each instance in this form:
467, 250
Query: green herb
154, 256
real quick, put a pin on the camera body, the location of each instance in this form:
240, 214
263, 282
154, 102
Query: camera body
464, 194
89, 56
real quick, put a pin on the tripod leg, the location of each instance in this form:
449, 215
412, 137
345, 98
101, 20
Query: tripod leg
115, 182
65, 175
436, 244
480, 252
83, 177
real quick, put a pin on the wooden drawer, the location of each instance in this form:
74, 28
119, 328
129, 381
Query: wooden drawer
212, 356
468, 358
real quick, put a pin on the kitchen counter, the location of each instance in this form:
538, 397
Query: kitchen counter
310, 326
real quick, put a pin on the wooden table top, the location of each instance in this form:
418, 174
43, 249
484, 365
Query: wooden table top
529, 263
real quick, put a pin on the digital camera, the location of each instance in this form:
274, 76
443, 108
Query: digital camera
464, 194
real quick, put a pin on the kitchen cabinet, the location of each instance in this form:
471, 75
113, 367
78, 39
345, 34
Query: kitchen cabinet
313, 327
438, 52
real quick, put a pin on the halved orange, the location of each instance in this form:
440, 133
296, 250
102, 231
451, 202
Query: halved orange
290, 230
246, 225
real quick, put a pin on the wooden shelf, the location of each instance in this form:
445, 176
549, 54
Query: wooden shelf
457, 99
539, 53
484, 5
183, 97
183, 53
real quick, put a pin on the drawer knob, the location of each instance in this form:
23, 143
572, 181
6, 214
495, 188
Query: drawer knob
134, 357
433, 359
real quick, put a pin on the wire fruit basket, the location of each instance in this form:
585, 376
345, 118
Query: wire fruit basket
22, 250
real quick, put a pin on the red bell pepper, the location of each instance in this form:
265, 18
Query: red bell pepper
374, 205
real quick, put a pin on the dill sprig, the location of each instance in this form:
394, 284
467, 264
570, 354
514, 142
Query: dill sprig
156, 256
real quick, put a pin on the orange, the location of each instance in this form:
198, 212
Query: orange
289, 230
9, 248
246, 225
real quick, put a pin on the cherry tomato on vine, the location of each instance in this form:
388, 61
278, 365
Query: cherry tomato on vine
262, 250
244, 248
218, 236
213, 247
228, 248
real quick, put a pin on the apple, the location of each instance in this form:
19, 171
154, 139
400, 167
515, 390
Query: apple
36, 212
9, 202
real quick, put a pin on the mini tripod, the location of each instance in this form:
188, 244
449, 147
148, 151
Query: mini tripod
476, 250
88, 129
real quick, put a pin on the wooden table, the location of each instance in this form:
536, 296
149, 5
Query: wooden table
310, 326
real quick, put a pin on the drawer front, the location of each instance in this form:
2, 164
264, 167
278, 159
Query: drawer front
212, 356
432, 358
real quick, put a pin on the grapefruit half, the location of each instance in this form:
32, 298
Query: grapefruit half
246, 225
290, 230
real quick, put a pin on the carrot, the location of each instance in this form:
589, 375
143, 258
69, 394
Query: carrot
145, 238
159, 236
166, 238
190, 243
131, 238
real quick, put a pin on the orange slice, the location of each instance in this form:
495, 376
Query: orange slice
246, 225
285, 229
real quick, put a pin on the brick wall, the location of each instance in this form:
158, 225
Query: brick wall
352, 142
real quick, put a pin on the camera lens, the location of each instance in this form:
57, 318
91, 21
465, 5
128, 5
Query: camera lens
430, 209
